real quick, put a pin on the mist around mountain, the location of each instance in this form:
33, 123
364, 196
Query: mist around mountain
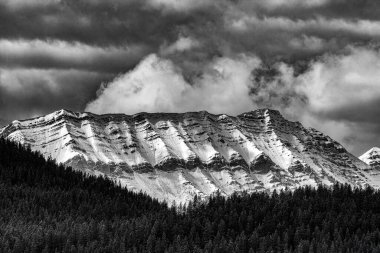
48, 208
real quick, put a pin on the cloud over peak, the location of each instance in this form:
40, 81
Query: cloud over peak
157, 85
314, 60
331, 94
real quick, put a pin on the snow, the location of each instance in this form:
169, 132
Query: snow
225, 146
372, 158
371, 155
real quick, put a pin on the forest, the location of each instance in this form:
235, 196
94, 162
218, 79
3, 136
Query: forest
45, 207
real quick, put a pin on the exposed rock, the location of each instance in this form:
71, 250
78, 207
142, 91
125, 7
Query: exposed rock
175, 156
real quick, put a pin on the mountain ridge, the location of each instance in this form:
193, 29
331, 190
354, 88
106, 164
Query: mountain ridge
372, 158
174, 156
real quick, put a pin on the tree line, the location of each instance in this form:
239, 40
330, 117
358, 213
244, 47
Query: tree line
45, 207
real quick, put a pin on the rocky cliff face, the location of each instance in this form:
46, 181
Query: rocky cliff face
174, 156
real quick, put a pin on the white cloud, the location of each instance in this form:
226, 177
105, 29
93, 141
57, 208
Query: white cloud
338, 95
180, 45
179, 5
252, 22
16, 4
273, 4
310, 43
331, 96
156, 85
185, 5
339, 82
73, 54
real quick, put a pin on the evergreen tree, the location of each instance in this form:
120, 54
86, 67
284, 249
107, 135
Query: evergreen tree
45, 207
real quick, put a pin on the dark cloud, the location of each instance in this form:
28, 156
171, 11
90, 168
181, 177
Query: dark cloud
64, 55
56, 53
272, 28
31, 92
92, 22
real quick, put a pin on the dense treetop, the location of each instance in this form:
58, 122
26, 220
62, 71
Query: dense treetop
48, 208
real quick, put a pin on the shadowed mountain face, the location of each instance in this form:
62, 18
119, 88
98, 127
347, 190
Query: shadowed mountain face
173, 157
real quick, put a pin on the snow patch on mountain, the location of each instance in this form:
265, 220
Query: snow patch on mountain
372, 157
175, 156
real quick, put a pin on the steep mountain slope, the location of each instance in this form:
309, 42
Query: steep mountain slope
175, 156
372, 158
47, 208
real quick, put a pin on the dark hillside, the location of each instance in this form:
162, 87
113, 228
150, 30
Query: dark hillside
47, 208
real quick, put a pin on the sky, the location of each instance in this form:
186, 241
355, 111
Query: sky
316, 61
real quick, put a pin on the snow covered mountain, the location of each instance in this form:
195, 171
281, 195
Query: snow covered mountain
372, 158
174, 156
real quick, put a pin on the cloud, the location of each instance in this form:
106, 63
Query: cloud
180, 45
312, 43
314, 57
270, 29
62, 54
274, 4
157, 85
182, 5
359, 27
30, 92
16, 4
338, 94
91, 22
345, 83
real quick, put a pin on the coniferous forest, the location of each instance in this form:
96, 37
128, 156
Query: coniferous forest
48, 208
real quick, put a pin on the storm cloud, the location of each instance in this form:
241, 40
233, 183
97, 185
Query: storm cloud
316, 60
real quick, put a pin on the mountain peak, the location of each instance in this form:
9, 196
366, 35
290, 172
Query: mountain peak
375, 149
174, 156
372, 157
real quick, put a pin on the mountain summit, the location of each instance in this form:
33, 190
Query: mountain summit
372, 158
174, 156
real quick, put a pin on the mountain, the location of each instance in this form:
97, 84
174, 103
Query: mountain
372, 158
50, 208
173, 156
